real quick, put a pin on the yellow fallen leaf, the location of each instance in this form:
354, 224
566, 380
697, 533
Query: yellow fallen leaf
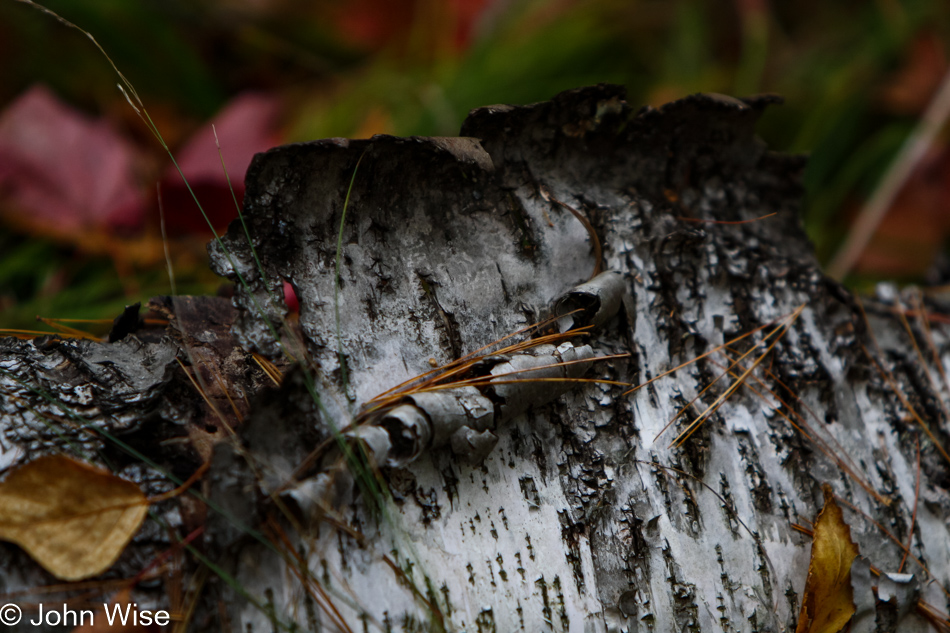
828, 603
72, 518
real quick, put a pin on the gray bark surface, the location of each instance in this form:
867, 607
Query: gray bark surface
580, 518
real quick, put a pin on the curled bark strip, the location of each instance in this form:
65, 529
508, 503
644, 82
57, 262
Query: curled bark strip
424, 420
379, 442
538, 376
452, 409
592, 303
410, 432
472, 446
465, 417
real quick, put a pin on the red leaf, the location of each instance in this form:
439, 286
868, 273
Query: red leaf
916, 226
246, 126
910, 89
290, 298
375, 24
62, 172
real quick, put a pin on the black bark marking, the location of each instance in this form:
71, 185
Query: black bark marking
444, 589
546, 610
428, 502
485, 622
450, 484
727, 583
521, 221
530, 491
450, 325
728, 508
561, 606
682, 594
501, 568
755, 473
570, 535
764, 568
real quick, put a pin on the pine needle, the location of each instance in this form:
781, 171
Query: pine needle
711, 409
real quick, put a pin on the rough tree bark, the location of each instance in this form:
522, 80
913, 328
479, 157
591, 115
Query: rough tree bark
582, 517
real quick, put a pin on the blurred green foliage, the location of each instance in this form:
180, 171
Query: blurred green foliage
417, 75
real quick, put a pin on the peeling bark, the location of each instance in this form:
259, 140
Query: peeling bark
582, 517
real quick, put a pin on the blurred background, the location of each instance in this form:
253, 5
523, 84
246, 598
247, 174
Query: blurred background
80, 174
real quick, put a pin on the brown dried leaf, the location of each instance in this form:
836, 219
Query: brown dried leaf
828, 603
72, 518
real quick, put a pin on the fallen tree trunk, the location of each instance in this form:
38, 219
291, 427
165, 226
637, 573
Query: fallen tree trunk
578, 512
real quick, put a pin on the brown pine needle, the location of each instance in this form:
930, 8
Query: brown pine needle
269, 368
27, 335
58, 320
711, 409
296, 564
490, 378
928, 337
195, 476
594, 238
903, 399
202, 393
487, 382
94, 587
930, 316
379, 403
726, 222
937, 618
923, 362
158, 562
104, 321
913, 517
65, 329
465, 361
458, 367
717, 378
805, 430
833, 451
463, 364
219, 380
691, 361
893, 384
801, 529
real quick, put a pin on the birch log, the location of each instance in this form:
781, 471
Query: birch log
585, 516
